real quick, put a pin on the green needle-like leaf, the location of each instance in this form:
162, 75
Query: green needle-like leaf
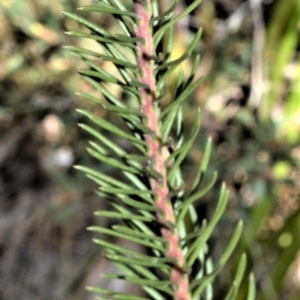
173, 63
104, 40
203, 166
113, 162
115, 215
139, 158
132, 116
108, 95
101, 75
130, 238
125, 191
122, 19
99, 290
140, 205
195, 68
107, 9
123, 296
183, 207
115, 248
116, 61
108, 126
120, 296
138, 224
168, 13
202, 283
181, 153
198, 244
232, 293
155, 262
88, 24
116, 149
251, 289
232, 244
158, 35
106, 178
158, 285
167, 124
187, 92
135, 233
196, 233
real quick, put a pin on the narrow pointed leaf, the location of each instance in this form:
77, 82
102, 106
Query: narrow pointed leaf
101, 39
125, 22
140, 205
116, 149
158, 285
127, 297
139, 158
135, 233
99, 290
116, 61
138, 224
123, 193
198, 244
204, 164
107, 9
183, 150
104, 177
187, 92
153, 173
232, 244
101, 75
99, 181
116, 215
115, 248
138, 84
128, 39
110, 127
136, 124
126, 192
88, 24
188, 144
167, 124
168, 13
195, 233
113, 162
130, 261
130, 238
202, 283
107, 94
183, 207
120, 62
174, 63
232, 293
158, 35
137, 181
251, 288
195, 68
123, 296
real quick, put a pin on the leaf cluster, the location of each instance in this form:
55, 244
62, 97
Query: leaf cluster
132, 200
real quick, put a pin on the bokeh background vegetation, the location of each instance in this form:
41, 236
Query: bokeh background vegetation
250, 100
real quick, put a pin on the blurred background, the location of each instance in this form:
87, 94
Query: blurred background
250, 101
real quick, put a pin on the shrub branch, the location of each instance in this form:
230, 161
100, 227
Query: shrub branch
149, 107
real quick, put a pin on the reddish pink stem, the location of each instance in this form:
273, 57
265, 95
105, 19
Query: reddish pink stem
159, 186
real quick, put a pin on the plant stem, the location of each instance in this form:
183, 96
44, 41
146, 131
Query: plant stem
149, 107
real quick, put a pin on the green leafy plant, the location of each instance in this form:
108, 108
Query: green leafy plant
150, 201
